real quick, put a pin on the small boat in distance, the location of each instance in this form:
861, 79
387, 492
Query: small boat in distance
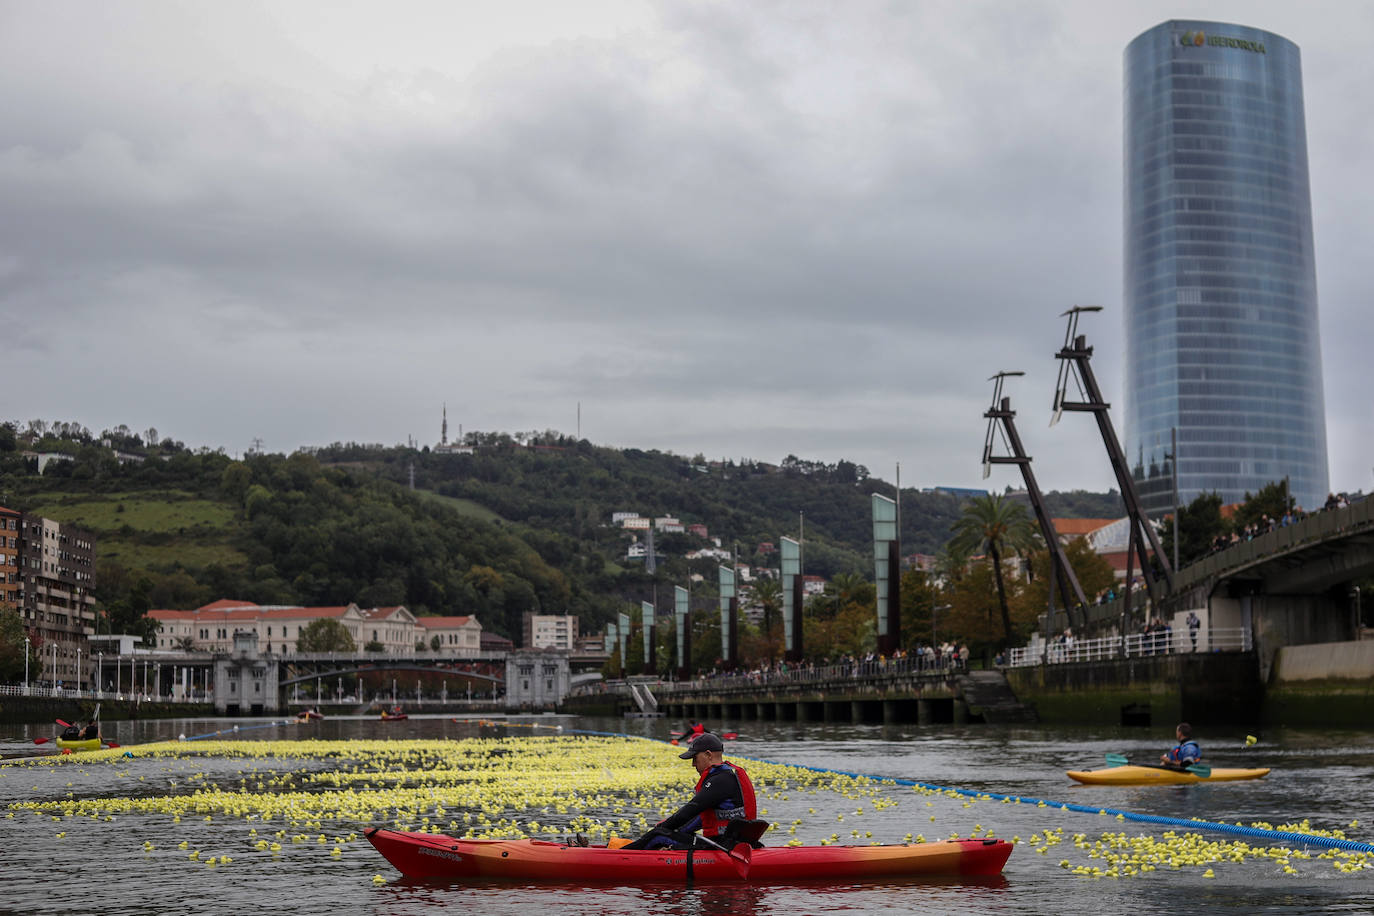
79, 744
1160, 775
395, 715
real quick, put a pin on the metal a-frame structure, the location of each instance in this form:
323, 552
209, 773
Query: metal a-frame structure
1074, 361
1060, 569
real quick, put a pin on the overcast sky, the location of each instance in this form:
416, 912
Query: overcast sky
744, 229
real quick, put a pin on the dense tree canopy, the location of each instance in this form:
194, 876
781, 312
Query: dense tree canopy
520, 524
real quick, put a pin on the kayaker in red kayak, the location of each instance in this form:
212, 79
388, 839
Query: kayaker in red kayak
1186, 753
724, 793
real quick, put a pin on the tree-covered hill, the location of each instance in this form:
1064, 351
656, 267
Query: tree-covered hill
504, 529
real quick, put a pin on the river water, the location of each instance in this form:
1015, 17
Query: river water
54, 863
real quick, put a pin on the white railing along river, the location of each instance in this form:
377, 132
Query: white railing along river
1133, 645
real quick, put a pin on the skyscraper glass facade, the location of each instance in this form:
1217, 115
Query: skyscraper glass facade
1220, 278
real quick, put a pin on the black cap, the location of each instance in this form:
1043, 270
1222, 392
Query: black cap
701, 744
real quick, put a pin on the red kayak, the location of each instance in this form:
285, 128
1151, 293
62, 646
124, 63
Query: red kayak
432, 855
394, 717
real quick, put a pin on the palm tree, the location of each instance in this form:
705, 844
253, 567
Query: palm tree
846, 587
998, 527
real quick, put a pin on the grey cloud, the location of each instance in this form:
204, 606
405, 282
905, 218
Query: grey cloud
742, 229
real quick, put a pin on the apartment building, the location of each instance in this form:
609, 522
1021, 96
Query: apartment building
47, 573
549, 631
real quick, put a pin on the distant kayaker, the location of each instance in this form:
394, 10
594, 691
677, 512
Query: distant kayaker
689, 732
724, 793
1186, 753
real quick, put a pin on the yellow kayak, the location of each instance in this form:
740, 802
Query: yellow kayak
80, 744
1157, 776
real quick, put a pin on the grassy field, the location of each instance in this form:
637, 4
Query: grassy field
143, 530
164, 513
463, 506
164, 556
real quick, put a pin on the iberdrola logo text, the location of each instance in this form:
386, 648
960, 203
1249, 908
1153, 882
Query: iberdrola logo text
1199, 39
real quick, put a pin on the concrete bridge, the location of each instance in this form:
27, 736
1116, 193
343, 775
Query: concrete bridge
489, 668
1290, 586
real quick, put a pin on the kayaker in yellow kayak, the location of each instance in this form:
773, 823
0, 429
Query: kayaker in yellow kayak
1186, 753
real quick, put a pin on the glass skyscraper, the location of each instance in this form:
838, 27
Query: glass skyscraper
1220, 278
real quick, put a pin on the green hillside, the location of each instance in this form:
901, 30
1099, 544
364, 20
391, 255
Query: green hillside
506, 529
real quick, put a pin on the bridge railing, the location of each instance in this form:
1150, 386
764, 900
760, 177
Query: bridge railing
1320, 525
1134, 645
933, 665
72, 693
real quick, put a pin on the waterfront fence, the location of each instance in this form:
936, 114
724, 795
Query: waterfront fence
929, 664
1132, 645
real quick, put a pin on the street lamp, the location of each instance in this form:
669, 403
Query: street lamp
934, 609
99, 662
78, 670
26, 665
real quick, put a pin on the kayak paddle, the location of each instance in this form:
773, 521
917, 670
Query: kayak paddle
64, 724
1197, 769
41, 740
740, 856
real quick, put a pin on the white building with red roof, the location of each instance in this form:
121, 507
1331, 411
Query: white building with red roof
393, 627
211, 628
462, 635
396, 630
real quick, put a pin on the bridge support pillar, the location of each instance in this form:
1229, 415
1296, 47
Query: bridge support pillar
803, 711
856, 711
960, 712
762, 710
830, 712
924, 714
782, 711
891, 715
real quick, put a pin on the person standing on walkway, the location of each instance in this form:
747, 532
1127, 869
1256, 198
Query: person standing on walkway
1193, 624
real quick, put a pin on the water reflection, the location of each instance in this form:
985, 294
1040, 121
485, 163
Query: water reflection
405, 896
1318, 775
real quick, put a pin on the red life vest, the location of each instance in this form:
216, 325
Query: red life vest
711, 825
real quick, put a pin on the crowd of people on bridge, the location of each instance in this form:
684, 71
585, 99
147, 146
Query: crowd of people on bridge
945, 656
1267, 523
